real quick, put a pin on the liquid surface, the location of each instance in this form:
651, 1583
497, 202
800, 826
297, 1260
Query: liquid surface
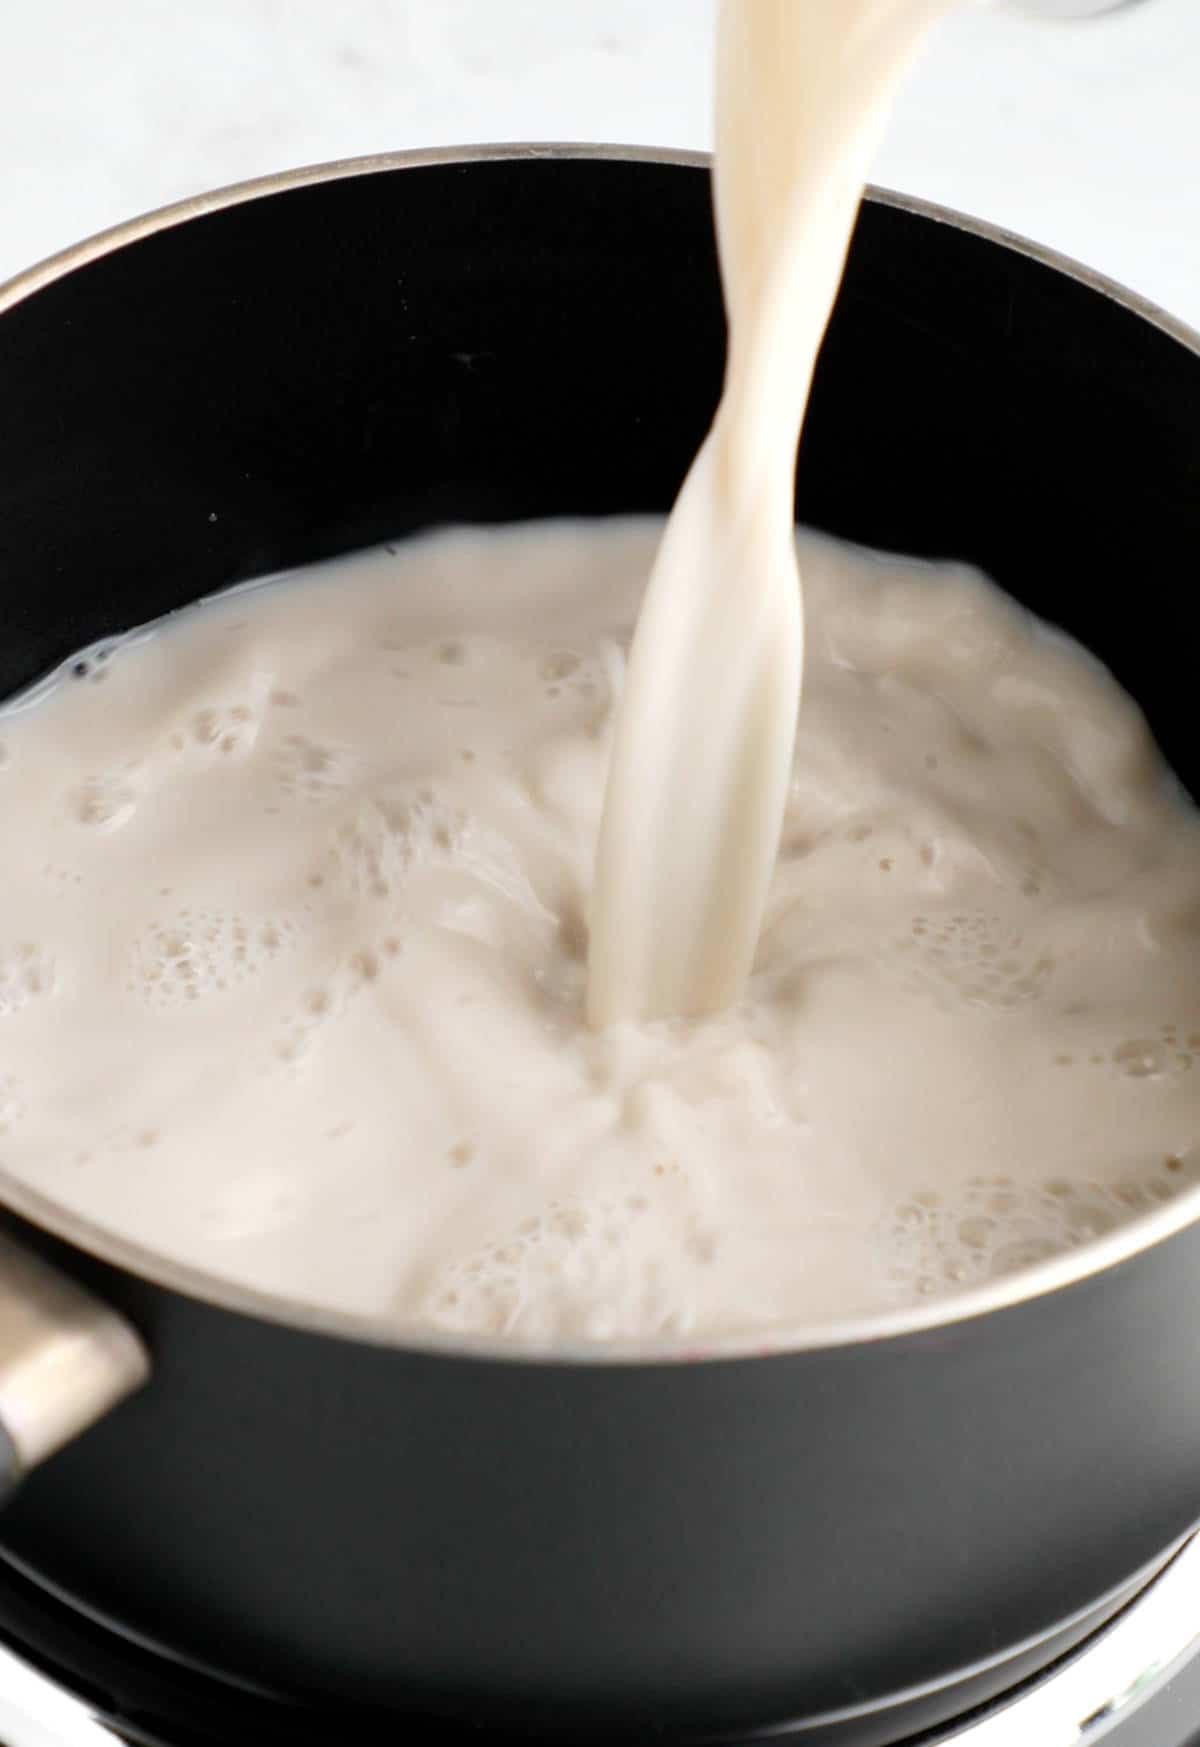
294, 925
702, 750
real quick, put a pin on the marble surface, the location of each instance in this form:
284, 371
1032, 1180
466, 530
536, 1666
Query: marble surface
1085, 136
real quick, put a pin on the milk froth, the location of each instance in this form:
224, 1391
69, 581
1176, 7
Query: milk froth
293, 930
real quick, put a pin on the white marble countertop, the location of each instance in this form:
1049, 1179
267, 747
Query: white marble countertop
1085, 136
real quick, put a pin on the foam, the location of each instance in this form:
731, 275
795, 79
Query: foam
308, 1012
992, 1227
28, 973
12, 1103
198, 953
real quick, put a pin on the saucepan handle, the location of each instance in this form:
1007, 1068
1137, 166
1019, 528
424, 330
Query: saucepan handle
66, 1359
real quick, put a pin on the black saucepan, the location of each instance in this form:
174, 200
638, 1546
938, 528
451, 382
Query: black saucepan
893, 1518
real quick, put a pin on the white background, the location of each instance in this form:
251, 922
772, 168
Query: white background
1086, 136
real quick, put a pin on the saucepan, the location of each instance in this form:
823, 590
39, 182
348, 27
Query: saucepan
865, 1526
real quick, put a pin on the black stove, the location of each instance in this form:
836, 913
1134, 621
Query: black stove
66, 1682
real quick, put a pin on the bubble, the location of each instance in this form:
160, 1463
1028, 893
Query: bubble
1130, 1195
312, 771
597, 1266
219, 731
12, 1102
105, 802
1142, 1058
1025, 1253
199, 953
28, 972
972, 959
451, 654
991, 1227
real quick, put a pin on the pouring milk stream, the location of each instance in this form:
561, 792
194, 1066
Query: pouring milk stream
703, 747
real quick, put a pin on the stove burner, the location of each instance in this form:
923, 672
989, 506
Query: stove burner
1134, 1683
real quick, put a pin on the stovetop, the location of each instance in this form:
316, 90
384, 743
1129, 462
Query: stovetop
65, 1682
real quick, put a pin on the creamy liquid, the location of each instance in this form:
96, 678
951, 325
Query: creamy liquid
702, 751
293, 927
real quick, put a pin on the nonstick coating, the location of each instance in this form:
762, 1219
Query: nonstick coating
690, 1546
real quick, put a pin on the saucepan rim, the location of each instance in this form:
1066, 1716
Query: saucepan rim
1134, 1238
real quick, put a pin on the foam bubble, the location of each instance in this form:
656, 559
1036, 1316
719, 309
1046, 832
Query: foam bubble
386, 837
312, 771
991, 1227
974, 958
201, 952
224, 730
12, 1102
595, 1267
28, 972
353, 974
106, 802
1142, 1058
